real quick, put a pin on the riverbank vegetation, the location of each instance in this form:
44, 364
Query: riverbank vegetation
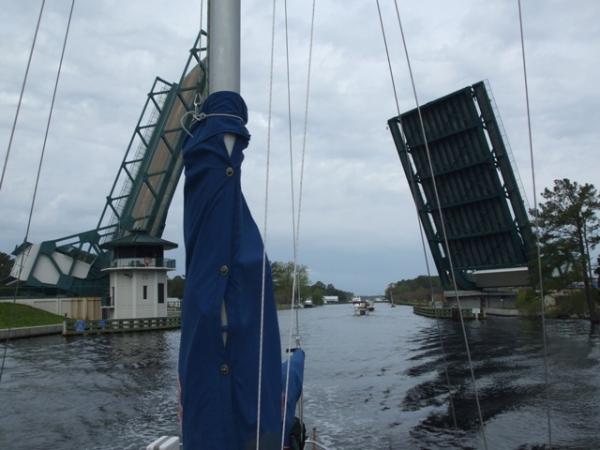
569, 229
414, 291
283, 275
175, 287
563, 304
16, 315
6, 263
319, 290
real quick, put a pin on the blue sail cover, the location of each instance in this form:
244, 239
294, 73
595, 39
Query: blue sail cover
224, 252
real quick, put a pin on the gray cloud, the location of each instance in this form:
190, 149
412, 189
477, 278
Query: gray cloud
359, 228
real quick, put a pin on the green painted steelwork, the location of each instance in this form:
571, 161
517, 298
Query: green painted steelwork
140, 196
484, 213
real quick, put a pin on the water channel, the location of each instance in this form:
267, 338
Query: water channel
374, 382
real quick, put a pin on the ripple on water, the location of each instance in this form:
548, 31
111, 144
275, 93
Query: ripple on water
374, 382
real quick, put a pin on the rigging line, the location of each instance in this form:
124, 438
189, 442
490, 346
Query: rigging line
205, 67
439, 329
443, 226
24, 257
296, 221
387, 53
537, 231
264, 257
295, 247
437, 319
304, 132
293, 197
200, 31
58, 72
204, 63
201, 21
14, 125
39, 169
302, 165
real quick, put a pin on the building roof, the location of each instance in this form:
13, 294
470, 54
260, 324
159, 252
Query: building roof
139, 239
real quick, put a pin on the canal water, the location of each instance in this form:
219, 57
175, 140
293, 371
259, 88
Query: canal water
374, 382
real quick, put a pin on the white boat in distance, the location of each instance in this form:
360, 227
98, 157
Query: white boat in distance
361, 307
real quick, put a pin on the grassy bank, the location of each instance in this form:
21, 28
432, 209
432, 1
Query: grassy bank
15, 316
413, 302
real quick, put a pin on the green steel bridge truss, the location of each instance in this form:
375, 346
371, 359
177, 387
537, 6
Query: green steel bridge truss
141, 193
484, 214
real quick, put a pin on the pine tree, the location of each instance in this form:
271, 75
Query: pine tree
569, 229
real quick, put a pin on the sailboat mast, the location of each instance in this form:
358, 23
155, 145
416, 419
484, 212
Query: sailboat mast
224, 45
224, 25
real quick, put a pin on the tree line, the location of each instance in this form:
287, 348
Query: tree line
415, 290
6, 263
568, 229
283, 284
283, 274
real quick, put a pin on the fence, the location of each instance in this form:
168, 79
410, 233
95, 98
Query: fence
76, 327
447, 313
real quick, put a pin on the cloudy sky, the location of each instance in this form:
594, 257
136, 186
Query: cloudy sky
359, 228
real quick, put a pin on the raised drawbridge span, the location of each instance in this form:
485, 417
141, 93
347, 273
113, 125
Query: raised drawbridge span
139, 198
489, 233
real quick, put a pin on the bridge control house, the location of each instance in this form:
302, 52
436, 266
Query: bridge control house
138, 277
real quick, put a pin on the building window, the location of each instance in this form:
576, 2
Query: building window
112, 296
145, 295
161, 292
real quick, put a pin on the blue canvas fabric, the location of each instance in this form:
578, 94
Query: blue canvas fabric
224, 252
296, 362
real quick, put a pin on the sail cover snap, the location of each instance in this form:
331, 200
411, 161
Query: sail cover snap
224, 265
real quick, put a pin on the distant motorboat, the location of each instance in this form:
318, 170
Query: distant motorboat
361, 307
308, 303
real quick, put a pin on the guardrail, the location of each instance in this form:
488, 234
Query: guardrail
447, 313
143, 262
73, 327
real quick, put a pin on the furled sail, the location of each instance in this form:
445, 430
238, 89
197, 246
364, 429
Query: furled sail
224, 264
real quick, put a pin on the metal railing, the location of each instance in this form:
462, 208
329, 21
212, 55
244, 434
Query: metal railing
447, 313
143, 263
74, 327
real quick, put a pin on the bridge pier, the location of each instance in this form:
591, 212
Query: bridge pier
485, 300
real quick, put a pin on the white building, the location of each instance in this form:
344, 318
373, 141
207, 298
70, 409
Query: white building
330, 299
138, 277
